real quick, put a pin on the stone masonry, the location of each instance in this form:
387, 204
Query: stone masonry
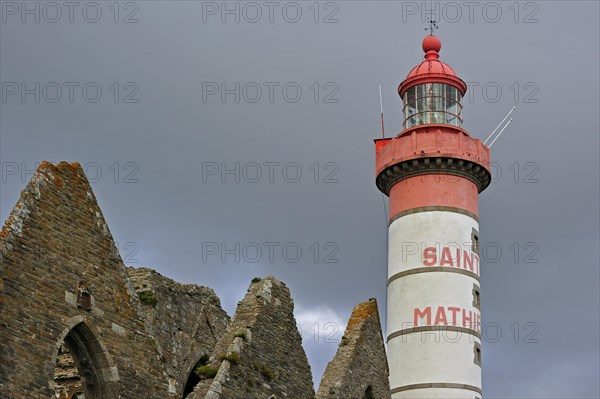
359, 369
62, 281
186, 322
261, 354
76, 323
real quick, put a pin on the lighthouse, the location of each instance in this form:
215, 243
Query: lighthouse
433, 172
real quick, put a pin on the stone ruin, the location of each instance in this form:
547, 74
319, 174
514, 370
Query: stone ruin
76, 323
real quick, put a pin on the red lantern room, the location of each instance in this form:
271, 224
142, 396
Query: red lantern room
432, 92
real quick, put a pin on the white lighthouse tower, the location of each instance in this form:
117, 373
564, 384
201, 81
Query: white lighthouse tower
432, 172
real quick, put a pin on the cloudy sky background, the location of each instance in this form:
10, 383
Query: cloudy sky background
149, 160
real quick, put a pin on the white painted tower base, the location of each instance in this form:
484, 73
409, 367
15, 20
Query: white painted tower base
432, 296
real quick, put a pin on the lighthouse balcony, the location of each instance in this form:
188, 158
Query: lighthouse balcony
431, 149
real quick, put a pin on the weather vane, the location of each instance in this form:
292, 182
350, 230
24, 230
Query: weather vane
433, 24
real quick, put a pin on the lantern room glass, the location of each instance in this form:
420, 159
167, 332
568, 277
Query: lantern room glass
432, 103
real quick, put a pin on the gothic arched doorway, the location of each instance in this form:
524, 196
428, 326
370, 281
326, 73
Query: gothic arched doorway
193, 378
82, 370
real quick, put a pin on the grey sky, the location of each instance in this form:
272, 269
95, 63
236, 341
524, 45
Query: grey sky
163, 204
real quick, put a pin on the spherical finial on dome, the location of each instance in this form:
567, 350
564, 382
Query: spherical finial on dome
432, 43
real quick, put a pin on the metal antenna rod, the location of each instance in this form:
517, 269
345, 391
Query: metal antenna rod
497, 127
381, 106
505, 126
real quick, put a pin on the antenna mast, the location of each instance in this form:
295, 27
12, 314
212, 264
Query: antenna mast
381, 107
498, 127
496, 138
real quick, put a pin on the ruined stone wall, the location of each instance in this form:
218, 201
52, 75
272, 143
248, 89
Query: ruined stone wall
359, 369
74, 319
62, 281
185, 320
67, 380
261, 354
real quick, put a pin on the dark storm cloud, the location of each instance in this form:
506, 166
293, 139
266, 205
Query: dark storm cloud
286, 100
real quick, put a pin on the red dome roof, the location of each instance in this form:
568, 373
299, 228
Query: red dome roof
432, 70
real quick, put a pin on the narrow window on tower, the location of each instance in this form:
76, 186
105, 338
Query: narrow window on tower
477, 354
475, 241
476, 299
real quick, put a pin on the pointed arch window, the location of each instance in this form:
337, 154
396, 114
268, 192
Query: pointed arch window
81, 367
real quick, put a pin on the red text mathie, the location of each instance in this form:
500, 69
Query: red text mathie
447, 316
